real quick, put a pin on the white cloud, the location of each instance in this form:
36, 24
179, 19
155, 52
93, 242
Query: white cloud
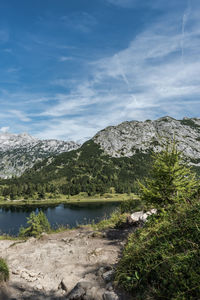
67, 129
65, 58
20, 115
81, 21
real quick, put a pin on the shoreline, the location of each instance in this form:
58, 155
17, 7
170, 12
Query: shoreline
73, 200
56, 202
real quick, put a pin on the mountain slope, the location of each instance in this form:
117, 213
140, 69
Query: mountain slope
19, 152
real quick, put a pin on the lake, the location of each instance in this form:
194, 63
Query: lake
12, 217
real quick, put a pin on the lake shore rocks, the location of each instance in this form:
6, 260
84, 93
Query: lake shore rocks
140, 217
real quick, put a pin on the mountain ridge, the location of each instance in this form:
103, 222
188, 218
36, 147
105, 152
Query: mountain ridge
128, 137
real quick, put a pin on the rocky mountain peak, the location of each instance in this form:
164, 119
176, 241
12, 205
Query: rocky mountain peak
129, 137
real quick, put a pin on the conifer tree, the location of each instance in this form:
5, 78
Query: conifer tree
37, 224
171, 179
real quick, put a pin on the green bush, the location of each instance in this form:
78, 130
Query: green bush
37, 224
4, 271
162, 260
115, 221
130, 205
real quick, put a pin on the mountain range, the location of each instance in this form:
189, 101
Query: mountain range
115, 157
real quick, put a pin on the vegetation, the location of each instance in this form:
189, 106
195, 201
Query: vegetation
170, 181
38, 223
116, 220
162, 259
4, 271
191, 123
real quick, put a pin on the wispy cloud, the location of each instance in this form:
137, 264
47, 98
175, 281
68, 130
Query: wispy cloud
123, 3
81, 21
65, 58
144, 81
20, 115
4, 36
184, 22
12, 70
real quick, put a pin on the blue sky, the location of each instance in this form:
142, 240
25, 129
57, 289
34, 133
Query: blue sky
69, 68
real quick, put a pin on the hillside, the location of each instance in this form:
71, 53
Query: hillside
87, 169
116, 157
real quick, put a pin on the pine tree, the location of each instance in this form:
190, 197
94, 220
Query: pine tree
171, 179
37, 224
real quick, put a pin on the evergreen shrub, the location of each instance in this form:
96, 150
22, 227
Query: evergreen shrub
4, 271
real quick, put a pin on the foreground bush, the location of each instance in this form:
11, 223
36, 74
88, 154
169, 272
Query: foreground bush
37, 224
171, 180
162, 260
4, 271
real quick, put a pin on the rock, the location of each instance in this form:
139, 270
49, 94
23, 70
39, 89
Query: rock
101, 271
79, 290
63, 285
39, 287
16, 272
44, 236
92, 294
140, 216
108, 276
98, 251
110, 296
31, 239
109, 286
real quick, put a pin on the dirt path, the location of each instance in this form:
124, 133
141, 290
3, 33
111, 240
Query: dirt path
50, 267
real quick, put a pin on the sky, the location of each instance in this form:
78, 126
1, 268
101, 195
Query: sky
69, 68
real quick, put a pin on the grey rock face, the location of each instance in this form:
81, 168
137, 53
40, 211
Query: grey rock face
110, 296
129, 137
140, 216
79, 291
108, 276
19, 152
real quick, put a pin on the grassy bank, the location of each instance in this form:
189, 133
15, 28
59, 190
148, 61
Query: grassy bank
80, 198
162, 259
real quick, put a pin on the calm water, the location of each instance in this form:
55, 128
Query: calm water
11, 218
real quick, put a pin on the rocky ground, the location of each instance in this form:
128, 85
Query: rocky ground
75, 264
